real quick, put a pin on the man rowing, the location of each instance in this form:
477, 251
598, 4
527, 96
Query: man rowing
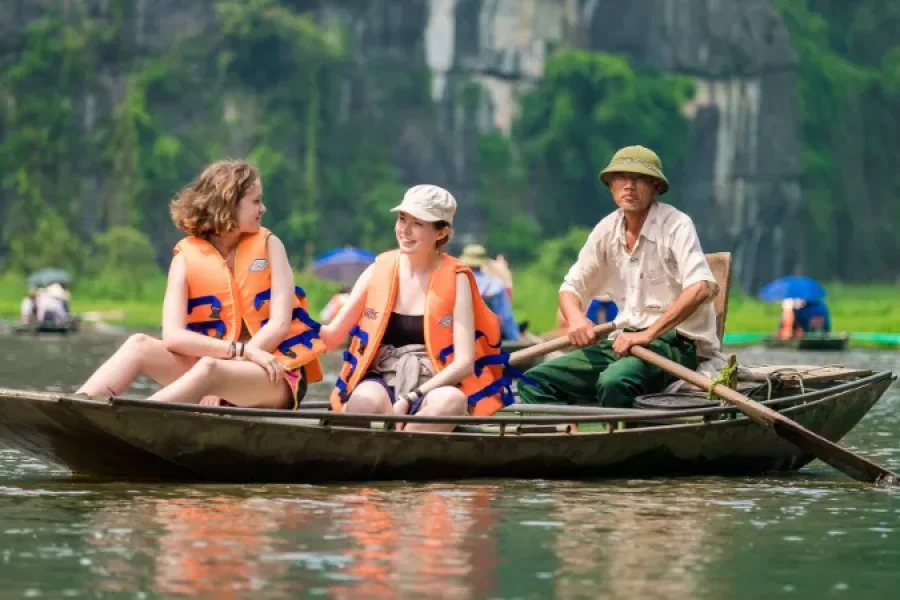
647, 257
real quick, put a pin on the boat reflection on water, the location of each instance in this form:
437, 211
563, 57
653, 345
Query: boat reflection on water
633, 542
627, 540
434, 541
208, 546
214, 547
376, 543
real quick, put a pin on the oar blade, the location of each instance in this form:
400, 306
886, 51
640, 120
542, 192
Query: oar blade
845, 461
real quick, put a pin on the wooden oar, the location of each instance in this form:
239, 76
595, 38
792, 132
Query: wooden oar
854, 465
559, 343
526, 354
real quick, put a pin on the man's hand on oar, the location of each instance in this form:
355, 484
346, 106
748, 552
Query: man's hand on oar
849, 463
581, 331
527, 354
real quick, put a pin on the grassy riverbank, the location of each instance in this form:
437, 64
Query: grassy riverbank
854, 308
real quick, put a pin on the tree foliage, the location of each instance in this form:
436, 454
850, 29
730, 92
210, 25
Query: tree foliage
586, 107
97, 134
544, 180
849, 95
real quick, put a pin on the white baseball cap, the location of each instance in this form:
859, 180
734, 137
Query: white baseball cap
428, 203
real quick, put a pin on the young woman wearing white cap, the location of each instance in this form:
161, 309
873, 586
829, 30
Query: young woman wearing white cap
408, 314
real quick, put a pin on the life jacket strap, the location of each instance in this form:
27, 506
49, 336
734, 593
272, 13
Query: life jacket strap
209, 300
206, 326
266, 295
501, 386
444, 353
351, 360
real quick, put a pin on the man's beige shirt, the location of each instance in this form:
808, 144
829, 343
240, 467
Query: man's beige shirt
666, 259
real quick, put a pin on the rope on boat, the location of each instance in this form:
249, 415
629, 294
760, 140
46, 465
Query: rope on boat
727, 377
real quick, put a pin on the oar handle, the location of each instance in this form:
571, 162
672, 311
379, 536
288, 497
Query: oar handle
757, 412
559, 343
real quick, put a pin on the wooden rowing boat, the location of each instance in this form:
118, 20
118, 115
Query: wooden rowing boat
57, 327
137, 439
812, 341
508, 347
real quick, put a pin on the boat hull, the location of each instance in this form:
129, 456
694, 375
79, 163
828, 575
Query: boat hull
157, 443
62, 328
830, 342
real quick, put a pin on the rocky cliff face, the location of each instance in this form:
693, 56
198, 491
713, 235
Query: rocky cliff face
739, 180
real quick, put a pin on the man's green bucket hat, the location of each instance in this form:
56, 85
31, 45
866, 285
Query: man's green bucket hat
636, 159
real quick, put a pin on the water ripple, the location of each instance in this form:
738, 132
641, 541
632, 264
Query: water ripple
811, 534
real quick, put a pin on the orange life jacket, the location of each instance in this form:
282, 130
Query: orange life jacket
218, 301
488, 388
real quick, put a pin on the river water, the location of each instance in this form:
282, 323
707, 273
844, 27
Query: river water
810, 534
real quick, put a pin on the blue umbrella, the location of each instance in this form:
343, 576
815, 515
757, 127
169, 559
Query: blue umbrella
794, 286
45, 277
343, 265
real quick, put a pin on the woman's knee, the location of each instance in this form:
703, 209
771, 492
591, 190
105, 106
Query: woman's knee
445, 401
142, 343
205, 368
369, 398
141, 347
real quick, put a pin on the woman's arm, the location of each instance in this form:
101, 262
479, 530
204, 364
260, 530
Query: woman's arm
463, 363
174, 318
281, 304
336, 332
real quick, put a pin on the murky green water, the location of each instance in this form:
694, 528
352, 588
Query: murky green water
812, 534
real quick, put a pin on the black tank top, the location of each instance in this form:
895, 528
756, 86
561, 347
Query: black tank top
403, 330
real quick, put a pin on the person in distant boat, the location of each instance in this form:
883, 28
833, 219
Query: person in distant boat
799, 317
647, 257
499, 268
418, 326
52, 304
234, 327
334, 306
492, 290
28, 310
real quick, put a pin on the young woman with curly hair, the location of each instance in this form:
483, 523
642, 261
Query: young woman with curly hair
234, 326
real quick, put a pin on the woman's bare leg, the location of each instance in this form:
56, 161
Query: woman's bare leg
139, 355
369, 397
241, 382
445, 401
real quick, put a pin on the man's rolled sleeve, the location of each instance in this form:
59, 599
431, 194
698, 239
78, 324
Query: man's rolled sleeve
589, 272
692, 265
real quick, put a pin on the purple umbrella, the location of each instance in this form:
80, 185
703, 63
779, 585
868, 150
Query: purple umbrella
343, 265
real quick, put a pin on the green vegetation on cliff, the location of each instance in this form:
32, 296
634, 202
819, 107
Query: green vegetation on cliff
849, 94
97, 134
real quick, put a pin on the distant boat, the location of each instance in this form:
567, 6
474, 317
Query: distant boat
811, 341
59, 327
